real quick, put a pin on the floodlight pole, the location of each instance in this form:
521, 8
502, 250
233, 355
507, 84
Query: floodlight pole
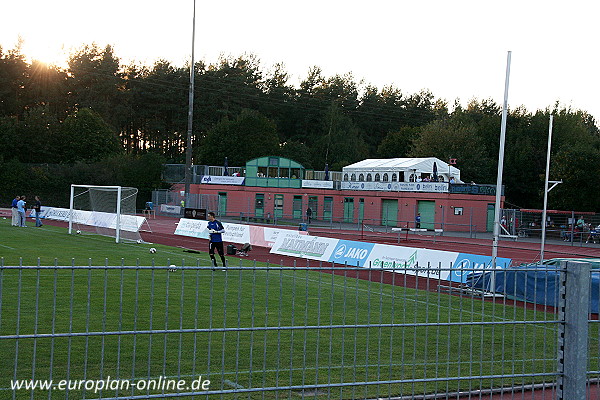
500, 170
188, 147
546, 190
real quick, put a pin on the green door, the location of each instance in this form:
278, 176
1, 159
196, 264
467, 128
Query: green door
259, 205
427, 211
348, 209
278, 206
361, 210
491, 213
222, 204
327, 208
313, 203
297, 207
389, 212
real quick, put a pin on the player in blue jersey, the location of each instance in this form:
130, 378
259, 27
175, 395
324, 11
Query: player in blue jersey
215, 229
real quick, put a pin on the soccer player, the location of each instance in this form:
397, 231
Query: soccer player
215, 228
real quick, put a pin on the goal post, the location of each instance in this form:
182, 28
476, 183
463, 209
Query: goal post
107, 210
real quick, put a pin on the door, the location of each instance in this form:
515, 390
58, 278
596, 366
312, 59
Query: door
297, 207
327, 208
348, 209
278, 206
222, 204
259, 205
389, 212
361, 210
313, 202
427, 210
491, 214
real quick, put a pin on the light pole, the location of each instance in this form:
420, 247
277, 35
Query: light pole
546, 191
500, 170
188, 147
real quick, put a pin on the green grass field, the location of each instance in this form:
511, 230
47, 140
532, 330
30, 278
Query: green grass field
251, 326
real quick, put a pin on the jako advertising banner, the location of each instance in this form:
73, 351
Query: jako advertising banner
437, 264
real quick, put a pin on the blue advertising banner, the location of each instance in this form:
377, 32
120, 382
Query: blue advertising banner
351, 253
467, 263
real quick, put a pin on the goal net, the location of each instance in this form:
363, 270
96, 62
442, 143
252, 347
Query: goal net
105, 210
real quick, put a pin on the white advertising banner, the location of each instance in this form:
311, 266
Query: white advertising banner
303, 246
266, 237
165, 208
435, 187
130, 223
222, 180
307, 183
235, 233
424, 261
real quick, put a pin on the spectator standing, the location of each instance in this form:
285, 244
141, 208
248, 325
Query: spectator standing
309, 214
14, 212
22, 209
215, 229
418, 221
37, 206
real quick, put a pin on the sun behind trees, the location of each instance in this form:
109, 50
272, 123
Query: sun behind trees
97, 108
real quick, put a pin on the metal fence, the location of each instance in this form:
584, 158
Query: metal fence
172, 203
304, 331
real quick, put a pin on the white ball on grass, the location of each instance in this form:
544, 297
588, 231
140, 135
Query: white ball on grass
140, 241
152, 250
78, 232
172, 268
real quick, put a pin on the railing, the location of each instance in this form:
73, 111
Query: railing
319, 330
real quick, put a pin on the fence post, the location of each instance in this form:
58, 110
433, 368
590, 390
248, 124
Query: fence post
573, 302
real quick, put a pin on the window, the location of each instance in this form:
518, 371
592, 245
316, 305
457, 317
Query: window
377, 177
361, 178
412, 178
394, 177
385, 177
345, 177
353, 177
369, 178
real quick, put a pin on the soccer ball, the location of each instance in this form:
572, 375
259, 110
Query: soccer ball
152, 250
78, 232
140, 241
172, 268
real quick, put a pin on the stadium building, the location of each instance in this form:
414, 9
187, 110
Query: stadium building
387, 192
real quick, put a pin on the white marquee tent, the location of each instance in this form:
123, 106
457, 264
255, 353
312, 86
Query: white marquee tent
400, 169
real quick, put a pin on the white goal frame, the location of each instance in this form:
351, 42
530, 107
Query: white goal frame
119, 190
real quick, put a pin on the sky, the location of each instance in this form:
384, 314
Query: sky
455, 49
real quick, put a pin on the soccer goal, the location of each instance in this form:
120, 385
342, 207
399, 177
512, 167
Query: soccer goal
105, 210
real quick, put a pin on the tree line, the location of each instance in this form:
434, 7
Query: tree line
98, 110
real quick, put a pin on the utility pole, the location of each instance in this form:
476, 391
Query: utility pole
188, 147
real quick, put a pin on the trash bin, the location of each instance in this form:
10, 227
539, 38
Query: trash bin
303, 227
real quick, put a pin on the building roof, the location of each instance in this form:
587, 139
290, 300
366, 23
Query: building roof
424, 164
418, 165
